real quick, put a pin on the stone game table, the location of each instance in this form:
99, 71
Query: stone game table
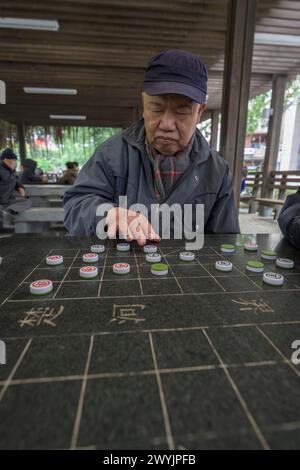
198, 359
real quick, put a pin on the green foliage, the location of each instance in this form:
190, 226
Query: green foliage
255, 109
52, 147
257, 104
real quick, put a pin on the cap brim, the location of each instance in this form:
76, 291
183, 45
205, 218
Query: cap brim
175, 88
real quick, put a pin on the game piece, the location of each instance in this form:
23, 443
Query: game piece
285, 263
121, 268
88, 272
274, 279
255, 266
159, 269
123, 246
250, 246
54, 260
150, 249
153, 257
227, 248
268, 254
223, 265
90, 257
97, 248
187, 256
41, 287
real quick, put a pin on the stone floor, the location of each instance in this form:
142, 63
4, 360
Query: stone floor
252, 223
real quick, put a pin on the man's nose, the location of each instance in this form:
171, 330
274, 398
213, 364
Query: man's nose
167, 122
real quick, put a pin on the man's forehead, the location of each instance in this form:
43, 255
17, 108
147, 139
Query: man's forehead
178, 99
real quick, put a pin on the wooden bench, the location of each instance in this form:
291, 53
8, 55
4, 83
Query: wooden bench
253, 181
276, 204
38, 219
281, 182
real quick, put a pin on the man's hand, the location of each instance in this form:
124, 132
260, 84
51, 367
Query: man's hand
131, 225
21, 191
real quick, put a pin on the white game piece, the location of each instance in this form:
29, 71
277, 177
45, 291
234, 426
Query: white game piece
153, 257
250, 246
90, 257
123, 247
88, 272
285, 263
121, 268
274, 279
41, 287
150, 249
223, 265
159, 269
97, 248
187, 256
54, 260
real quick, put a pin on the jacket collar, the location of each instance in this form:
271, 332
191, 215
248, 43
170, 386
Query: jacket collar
135, 136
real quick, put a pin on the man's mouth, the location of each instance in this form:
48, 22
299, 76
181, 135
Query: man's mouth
165, 140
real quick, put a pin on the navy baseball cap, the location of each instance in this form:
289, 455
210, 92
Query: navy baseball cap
8, 154
177, 72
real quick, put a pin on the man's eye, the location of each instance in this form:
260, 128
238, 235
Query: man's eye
155, 110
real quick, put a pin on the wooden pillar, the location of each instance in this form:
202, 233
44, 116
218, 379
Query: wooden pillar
274, 129
21, 138
237, 74
214, 129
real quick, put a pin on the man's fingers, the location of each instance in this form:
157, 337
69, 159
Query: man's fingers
148, 230
137, 231
112, 231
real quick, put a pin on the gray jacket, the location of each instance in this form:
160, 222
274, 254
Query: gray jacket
289, 219
121, 167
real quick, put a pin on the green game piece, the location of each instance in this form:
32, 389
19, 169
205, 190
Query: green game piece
159, 267
255, 264
269, 253
228, 247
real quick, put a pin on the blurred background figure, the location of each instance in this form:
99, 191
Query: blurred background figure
70, 174
29, 174
12, 193
244, 177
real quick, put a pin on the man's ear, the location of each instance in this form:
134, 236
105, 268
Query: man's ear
143, 102
201, 110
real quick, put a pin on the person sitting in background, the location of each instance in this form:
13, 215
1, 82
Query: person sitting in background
12, 193
29, 175
289, 219
76, 166
69, 175
244, 180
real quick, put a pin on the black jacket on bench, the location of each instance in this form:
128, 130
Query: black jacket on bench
8, 184
289, 219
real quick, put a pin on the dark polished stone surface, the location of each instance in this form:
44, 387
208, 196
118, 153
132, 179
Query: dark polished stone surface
197, 359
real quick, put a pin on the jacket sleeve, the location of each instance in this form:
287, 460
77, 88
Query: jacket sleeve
289, 219
94, 185
224, 215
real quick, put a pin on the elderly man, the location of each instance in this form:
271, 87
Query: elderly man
12, 194
162, 158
